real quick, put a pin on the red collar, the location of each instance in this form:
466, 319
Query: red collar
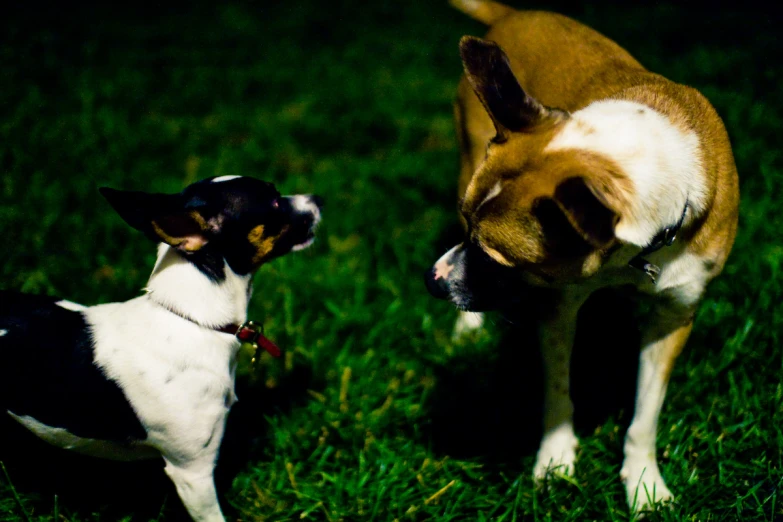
249, 332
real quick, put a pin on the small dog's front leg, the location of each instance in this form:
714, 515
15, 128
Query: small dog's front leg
196, 488
558, 445
663, 340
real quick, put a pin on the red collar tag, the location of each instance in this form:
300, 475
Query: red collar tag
254, 334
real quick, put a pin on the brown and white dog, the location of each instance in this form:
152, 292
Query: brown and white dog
580, 169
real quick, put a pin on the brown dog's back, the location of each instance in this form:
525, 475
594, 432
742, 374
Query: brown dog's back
557, 60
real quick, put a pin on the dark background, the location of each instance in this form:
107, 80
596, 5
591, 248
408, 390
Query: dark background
352, 100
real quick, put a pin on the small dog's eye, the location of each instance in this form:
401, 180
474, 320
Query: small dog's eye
275, 203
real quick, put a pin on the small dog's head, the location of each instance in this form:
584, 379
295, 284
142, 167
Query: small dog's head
241, 220
533, 216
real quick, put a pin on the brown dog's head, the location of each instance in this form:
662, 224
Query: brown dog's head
533, 216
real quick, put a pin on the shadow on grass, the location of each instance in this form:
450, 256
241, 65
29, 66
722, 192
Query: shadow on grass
116, 489
489, 404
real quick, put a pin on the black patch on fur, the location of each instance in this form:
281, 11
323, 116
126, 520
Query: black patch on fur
592, 219
47, 371
561, 240
485, 284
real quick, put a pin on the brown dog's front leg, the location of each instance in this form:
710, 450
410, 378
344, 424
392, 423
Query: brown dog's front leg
558, 445
663, 340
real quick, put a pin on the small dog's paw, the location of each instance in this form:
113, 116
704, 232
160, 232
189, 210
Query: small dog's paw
557, 453
466, 324
644, 484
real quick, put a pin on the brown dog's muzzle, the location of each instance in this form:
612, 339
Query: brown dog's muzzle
438, 278
469, 278
436, 286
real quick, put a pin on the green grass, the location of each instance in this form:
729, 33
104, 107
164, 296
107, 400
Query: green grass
375, 414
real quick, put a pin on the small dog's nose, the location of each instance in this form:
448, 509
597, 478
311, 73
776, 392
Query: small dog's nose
438, 287
318, 200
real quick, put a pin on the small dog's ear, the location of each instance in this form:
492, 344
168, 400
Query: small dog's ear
587, 209
488, 70
162, 217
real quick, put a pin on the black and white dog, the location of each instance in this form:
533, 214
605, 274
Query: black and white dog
154, 376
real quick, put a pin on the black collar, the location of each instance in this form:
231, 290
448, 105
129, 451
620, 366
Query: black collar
663, 238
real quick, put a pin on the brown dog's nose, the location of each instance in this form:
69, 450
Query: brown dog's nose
437, 286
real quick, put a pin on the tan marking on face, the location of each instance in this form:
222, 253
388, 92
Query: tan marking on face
591, 264
497, 256
198, 218
492, 193
173, 241
264, 244
189, 243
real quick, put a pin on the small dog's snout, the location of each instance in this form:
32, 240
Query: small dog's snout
437, 286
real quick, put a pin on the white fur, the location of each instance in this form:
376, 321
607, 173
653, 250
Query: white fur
196, 488
178, 285
557, 451
177, 375
444, 265
467, 322
643, 482
662, 160
494, 192
302, 246
683, 275
306, 204
559, 442
468, 5
97, 448
221, 179
69, 305
3, 332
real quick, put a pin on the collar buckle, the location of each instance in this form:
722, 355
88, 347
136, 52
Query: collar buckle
664, 238
253, 334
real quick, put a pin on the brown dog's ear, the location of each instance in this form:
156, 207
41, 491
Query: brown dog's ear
587, 210
162, 217
488, 70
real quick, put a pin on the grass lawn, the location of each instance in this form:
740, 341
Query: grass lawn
374, 414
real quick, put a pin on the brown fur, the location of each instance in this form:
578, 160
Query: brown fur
554, 217
184, 232
672, 347
263, 244
566, 65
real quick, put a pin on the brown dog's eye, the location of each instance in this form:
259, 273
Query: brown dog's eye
276, 203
